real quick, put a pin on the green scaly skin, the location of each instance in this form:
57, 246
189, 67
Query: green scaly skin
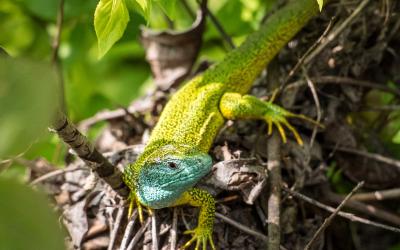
176, 156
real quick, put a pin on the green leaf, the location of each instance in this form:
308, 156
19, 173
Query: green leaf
28, 99
48, 9
27, 222
141, 6
320, 4
110, 20
168, 6
396, 138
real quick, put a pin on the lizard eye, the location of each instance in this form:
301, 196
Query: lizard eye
172, 165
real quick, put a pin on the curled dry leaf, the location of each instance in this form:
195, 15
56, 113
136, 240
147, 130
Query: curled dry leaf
171, 54
76, 222
243, 175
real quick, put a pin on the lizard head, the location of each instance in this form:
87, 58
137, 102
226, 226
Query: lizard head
168, 172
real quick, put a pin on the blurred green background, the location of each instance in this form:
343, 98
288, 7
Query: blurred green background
28, 27
29, 90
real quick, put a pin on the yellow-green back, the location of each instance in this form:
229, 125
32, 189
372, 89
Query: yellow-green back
192, 116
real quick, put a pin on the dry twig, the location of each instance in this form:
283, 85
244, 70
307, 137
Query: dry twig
274, 198
243, 228
88, 153
300, 62
336, 31
329, 220
113, 233
54, 174
348, 216
55, 48
378, 195
154, 236
219, 27
138, 235
128, 230
174, 229
311, 85
373, 156
368, 209
345, 80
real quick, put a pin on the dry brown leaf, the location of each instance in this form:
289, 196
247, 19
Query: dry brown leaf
171, 54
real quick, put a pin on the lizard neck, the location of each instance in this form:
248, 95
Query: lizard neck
241, 66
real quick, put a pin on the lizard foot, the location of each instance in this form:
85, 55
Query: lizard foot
279, 116
201, 236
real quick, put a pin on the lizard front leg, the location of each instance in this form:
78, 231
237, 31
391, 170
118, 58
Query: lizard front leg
235, 106
203, 232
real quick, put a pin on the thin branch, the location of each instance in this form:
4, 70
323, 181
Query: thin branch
174, 228
368, 209
219, 27
55, 48
138, 235
329, 220
188, 9
300, 62
374, 156
101, 116
348, 216
154, 235
113, 233
70, 135
87, 152
317, 104
243, 228
274, 199
57, 37
54, 173
378, 195
261, 214
128, 230
337, 31
345, 80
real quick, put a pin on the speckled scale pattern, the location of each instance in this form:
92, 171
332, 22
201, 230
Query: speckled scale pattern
198, 197
192, 116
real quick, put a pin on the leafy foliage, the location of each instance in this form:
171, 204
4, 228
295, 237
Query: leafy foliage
111, 18
27, 222
25, 118
168, 7
110, 21
320, 4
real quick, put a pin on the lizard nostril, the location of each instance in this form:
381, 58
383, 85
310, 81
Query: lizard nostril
172, 165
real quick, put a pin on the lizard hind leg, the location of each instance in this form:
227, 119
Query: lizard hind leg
235, 106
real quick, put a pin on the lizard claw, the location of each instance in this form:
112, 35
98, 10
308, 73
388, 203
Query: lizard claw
278, 116
135, 201
278, 120
201, 236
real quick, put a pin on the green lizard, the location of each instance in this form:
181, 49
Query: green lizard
176, 156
